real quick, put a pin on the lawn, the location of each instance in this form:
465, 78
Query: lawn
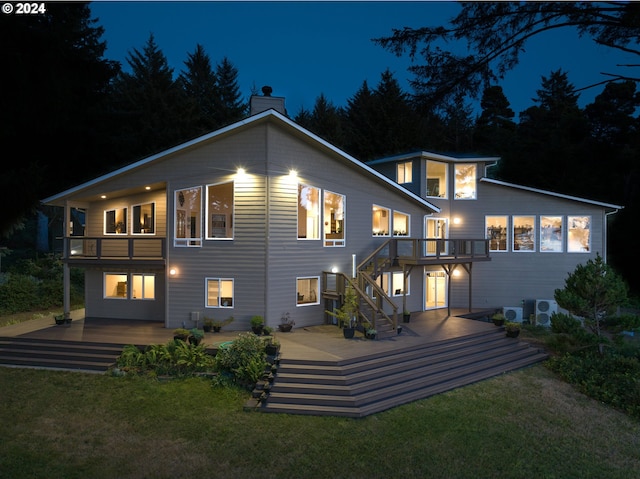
520, 425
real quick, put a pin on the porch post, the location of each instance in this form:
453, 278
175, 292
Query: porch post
66, 271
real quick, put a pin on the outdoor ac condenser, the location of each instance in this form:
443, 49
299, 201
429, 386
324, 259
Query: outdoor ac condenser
512, 313
544, 309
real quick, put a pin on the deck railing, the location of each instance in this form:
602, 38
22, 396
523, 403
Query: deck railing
103, 248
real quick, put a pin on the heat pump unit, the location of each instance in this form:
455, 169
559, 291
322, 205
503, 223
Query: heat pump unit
512, 314
544, 309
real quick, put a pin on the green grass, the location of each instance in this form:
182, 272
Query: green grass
520, 425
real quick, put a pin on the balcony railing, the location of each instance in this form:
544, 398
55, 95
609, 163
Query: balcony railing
436, 250
105, 248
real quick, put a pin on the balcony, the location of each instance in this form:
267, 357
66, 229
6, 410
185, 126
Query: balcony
123, 251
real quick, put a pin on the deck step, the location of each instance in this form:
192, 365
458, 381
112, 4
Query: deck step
58, 354
366, 385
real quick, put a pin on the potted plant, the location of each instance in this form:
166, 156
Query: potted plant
406, 316
498, 319
257, 324
195, 336
286, 323
371, 333
347, 314
181, 334
59, 318
217, 325
271, 346
512, 329
267, 330
207, 326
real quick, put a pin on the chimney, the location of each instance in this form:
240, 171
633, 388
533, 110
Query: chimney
264, 102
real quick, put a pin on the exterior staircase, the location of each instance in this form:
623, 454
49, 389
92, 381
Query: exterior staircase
57, 354
366, 385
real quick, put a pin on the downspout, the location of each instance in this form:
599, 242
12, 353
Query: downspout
606, 233
267, 248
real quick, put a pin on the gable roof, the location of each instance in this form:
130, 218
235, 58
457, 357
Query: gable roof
266, 116
608, 206
458, 158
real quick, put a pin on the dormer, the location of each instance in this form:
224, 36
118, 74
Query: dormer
436, 176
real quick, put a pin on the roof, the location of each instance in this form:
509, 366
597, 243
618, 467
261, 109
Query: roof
269, 115
551, 193
458, 158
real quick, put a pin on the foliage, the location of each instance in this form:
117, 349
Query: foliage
257, 321
592, 291
196, 333
564, 323
286, 319
241, 358
181, 333
347, 313
511, 326
176, 358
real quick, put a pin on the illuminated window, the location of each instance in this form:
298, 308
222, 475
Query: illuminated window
308, 212
397, 283
400, 224
144, 218
115, 221
497, 232
115, 285
307, 291
380, 221
579, 234
334, 219
188, 220
524, 233
551, 234
437, 179
404, 172
465, 185
143, 286
219, 293
220, 211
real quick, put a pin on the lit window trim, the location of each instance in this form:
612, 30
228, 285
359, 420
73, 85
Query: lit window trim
507, 232
445, 181
104, 285
334, 242
404, 172
456, 187
144, 296
186, 242
395, 290
125, 223
153, 218
541, 234
533, 234
570, 218
393, 217
319, 227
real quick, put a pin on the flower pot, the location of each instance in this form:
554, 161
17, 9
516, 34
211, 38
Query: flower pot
257, 329
348, 332
216, 329
406, 318
498, 322
271, 350
513, 333
285, 328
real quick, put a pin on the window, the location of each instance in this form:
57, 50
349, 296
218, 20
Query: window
579, 234
144, 218
220, 211
551, 234
437, 179
524, 236
497, 232
308, 212
381, 221
115, 285
397, 283
188, 221
143, 286
404, 172
307, 291
334, 219
219, 293
400, 224
465, 186
115, 222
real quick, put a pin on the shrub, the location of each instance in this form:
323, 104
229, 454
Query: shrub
242, 358
564, 323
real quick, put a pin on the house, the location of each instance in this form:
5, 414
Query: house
263, 217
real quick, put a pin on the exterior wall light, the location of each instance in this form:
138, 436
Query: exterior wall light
334, 269
173, 272
457, 220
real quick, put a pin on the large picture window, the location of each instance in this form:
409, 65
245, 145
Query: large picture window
308, 212
220, 211
188, 217
380, 221
437, 179
397, 284
144, 218
143, 286
551, 234
579, 234
465, 184
115, 221
334, 219
307, 291
219, 293
524, 235
497, 232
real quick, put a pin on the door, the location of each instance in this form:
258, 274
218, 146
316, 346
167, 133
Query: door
435, 228
435, 294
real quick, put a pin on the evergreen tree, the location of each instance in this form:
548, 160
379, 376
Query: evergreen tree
325, 121
231, 106
201, 90
359, 124
494, 129
153, 112
54, 82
